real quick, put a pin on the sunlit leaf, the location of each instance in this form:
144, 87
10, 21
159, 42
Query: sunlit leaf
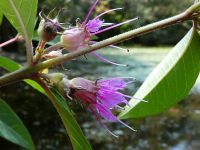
74, 131
21, 14
1, 17
12, 128
35, 85
10, 66
171, 81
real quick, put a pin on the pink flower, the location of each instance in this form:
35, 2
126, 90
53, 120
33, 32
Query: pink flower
94, 25
101, 96
75, 39
80, 36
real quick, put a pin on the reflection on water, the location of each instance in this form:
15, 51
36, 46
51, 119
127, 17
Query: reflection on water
176, 129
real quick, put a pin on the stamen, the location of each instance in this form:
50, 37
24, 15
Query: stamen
107, 12
126, 125
114, 26
90, 11
106, 60
128, 96
117, 47
107, 24
142, 100
105, 127
119, 107
113, 46
101, 123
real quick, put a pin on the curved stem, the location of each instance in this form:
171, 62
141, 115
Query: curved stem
9, 41
53, 47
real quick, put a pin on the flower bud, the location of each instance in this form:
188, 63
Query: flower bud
55, 78
74, 39
53, 54
48, 28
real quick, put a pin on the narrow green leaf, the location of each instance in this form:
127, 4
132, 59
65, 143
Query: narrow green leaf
21, 14
1, 17
171, 81
10, 66
35, 85
12, 128
74, 131
72, 127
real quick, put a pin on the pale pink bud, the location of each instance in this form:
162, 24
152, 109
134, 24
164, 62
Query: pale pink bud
74, 39
53, 54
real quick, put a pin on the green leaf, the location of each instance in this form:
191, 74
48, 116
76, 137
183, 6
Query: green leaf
10, 66
74, 131
35, 85
12, 128
171, 81
21, 14
1, 17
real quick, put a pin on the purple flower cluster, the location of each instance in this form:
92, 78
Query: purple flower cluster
94, 25
80, 36
101, 96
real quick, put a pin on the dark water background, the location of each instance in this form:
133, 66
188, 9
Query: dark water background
175, 129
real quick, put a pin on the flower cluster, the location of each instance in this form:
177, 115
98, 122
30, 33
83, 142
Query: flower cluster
79, 37
102, 96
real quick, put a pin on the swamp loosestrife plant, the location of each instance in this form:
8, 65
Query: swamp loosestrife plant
101, 97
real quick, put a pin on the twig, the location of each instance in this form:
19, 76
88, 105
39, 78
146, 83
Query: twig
9, 41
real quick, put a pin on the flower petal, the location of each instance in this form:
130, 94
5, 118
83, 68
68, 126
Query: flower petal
105, 112
113, 83
110, 98
94, 25
85, 96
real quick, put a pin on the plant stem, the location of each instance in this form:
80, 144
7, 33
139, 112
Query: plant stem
9, 41
25, 72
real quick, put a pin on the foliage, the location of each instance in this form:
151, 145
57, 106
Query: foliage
169, 83
21, 15
10, 66
74, 131
1, 18
12, 128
